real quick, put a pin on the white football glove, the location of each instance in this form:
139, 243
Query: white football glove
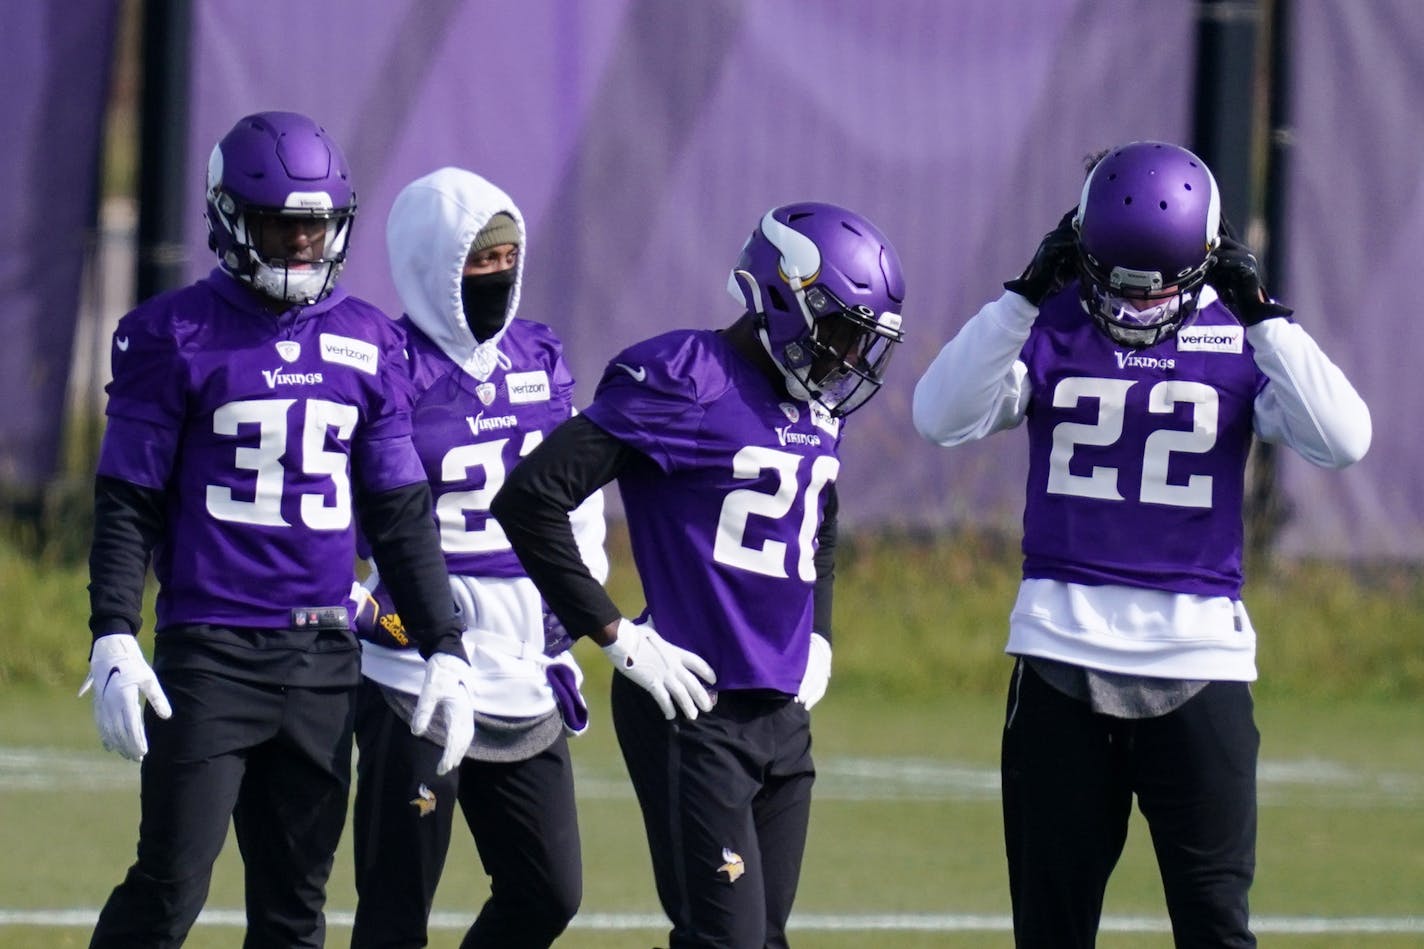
818, 672
121, 679
669, 673
448, 687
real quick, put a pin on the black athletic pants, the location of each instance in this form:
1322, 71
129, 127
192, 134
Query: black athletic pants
276, 761
1069, 776
726, 800
521, 814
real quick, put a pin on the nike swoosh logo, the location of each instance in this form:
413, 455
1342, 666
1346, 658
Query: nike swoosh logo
113, 671
122, 342
638, 374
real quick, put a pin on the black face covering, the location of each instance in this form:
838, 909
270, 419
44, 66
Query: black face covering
486, 298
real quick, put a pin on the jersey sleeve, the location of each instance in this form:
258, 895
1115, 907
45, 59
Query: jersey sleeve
652, 399
383, 454
561, 378
146, 403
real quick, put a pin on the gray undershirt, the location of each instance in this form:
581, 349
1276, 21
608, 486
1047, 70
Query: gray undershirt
497, 738
1115, 694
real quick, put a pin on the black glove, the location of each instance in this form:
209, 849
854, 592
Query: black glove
1237, 278
1053, 265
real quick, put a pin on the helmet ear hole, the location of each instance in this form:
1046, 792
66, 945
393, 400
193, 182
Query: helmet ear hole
777, 300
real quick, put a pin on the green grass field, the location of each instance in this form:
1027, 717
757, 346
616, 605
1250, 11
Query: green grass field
905, 840
905, 825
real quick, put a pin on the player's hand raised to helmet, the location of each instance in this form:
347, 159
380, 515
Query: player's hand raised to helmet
1236, 275
1054, 263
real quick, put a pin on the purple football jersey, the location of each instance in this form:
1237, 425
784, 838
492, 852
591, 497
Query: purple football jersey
723, 519
256, 426
1137, 458
469, 434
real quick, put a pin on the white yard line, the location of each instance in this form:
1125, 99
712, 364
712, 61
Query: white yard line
1312, 781
802, 922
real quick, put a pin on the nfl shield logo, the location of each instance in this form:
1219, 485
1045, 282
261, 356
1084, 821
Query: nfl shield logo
791, 412
289, 350
485, 390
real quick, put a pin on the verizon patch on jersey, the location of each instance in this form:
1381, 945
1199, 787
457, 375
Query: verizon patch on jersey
527, 386
1211, 339
356, 353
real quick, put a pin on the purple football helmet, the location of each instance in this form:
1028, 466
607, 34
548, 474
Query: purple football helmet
280, 206
1147, 224
826, 287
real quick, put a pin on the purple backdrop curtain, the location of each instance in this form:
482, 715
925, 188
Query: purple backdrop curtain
643, 139
1354, 231
58, 57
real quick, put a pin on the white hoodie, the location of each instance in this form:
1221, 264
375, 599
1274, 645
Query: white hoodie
432, 225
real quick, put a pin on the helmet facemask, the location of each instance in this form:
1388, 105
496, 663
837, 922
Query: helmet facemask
1132, 306
840, 360
294, 253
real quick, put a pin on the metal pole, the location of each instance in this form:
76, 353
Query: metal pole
163, 179
1223, 129
1280, 145
1268, 510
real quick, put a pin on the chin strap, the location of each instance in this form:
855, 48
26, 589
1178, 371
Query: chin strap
795, 387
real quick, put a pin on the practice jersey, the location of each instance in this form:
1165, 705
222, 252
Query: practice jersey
470, 433
723, 515
1137, 458
258, 428
1132, 523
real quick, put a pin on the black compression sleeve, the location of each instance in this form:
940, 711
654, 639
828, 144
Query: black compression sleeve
533, 507
398, 525
128, 522
825, 561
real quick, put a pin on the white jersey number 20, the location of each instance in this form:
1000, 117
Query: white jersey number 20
769, 559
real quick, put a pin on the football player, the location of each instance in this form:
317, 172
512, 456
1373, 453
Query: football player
253, 417
725, 445
1142, 354
489, 387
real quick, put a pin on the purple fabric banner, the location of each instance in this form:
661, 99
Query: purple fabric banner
643, 139
1354, 229
61, 55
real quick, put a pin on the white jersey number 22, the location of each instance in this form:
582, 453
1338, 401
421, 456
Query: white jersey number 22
1157, 448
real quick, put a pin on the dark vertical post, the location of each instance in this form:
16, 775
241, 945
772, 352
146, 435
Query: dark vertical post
1279, 145
1233, 83
1223, 127
163, 181
1267, 510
